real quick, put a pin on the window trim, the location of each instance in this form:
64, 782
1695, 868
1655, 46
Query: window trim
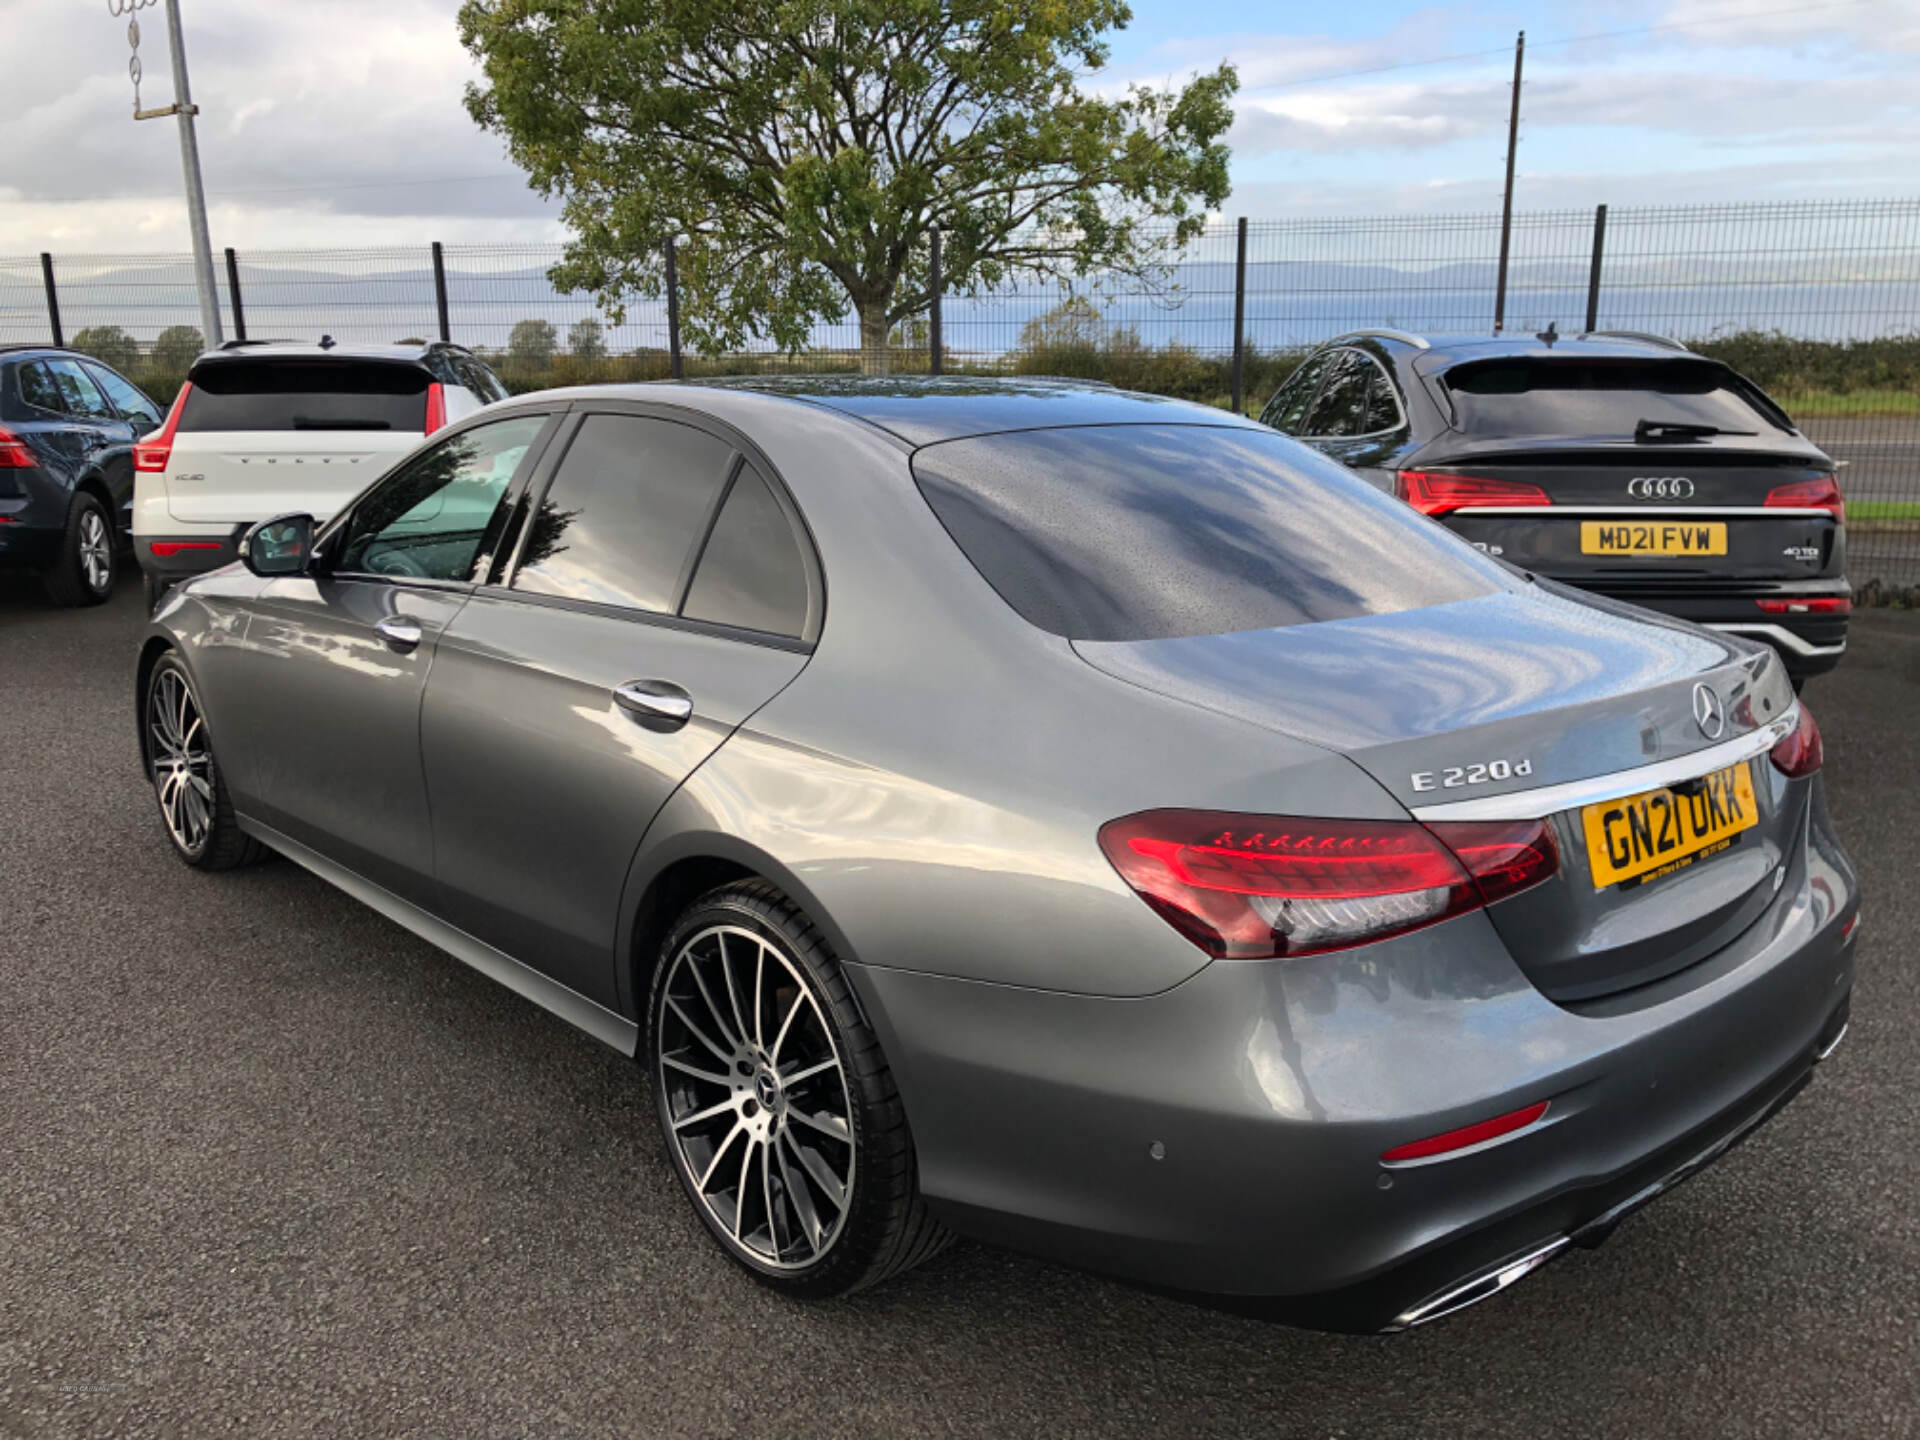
536, 452
745, 452
1399, 406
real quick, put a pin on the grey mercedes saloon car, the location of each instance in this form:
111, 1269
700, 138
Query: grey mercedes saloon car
1088, 822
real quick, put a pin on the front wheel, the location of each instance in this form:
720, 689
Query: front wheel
193, 799
779, 1112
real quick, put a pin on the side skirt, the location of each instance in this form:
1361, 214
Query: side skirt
571, 1006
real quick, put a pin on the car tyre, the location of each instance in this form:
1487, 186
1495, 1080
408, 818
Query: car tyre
778, 1111
194, 804
88, 562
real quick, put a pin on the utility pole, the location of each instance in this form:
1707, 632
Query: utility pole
1506, 207
184, 110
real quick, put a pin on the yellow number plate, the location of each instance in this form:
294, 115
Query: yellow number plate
1652, 537
1646, 836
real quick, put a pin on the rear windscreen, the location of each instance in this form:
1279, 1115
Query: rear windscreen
1146, 532
306, 395
1518, 399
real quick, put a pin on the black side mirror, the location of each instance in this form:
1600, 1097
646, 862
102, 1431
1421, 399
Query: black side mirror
280, 546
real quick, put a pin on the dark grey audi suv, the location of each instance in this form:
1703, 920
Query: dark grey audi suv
1621, 463
1084, 821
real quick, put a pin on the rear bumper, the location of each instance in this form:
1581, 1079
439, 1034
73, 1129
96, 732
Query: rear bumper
29, 547
1808, 644
173, 558
1222, 1140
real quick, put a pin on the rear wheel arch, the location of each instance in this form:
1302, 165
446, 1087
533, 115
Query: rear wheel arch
150, 653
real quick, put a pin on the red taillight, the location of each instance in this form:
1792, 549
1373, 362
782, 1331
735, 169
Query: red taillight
1252, 887
153, 453
165, 548
436, 407
1811, 605
1503, 856
1432, 493
1477, 1133
15, 453
1821, 494
1800, 753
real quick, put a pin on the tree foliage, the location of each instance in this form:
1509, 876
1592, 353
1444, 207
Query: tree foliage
586, 340
108, 343
530, 344
803, 149
177, 347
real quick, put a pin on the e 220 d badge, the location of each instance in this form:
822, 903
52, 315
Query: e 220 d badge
1454, 776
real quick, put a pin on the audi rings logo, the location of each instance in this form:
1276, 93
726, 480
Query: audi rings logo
1660, 487
1708, 713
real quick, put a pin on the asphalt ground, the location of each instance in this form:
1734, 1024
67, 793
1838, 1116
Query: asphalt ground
270, 1166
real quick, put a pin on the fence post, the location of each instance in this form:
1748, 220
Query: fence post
935, 348
440, 291
53, 297
1593, 275
1240, 319
673, 314
233, 293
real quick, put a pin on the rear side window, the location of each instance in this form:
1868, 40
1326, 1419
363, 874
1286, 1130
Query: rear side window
306, 395
38, 390
1146, 532
751, 574
1500, 399
626, 507
1341, 407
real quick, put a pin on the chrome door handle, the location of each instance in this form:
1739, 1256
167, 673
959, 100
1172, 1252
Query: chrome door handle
399, 632
656, 704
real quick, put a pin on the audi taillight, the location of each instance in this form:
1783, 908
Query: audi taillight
1251, 887
1799, 754
436, 407
1811, 605
1821, 494
1432, 493
15, 453
153, 453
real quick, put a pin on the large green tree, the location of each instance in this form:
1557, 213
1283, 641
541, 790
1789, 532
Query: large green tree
803, 149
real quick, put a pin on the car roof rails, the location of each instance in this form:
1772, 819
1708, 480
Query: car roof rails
1419, 342
1665, 342
31, 345
268, 340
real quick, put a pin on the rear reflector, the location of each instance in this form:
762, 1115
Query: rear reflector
1812, 605
1468, 1135
1432, 493
436, 407
1799, 754
1821, 494
153, 453
1255, 887
164, 548
15, 453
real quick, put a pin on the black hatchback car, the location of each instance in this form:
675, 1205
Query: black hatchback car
1622, 463
67, 427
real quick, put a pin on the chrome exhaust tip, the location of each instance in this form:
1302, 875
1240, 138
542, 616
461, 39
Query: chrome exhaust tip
1483, 1286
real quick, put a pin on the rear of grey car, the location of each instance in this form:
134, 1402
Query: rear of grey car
1248, 889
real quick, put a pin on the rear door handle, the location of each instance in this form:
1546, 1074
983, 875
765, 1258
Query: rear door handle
656, 704
400, 633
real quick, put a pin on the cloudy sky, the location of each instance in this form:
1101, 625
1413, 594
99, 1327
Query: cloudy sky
339, 123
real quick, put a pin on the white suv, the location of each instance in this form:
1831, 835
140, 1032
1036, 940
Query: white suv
266, 427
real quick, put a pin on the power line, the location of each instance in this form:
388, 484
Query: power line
1504, 50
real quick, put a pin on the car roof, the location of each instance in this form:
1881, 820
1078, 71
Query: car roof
314, 350
1436, 351
924, 410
